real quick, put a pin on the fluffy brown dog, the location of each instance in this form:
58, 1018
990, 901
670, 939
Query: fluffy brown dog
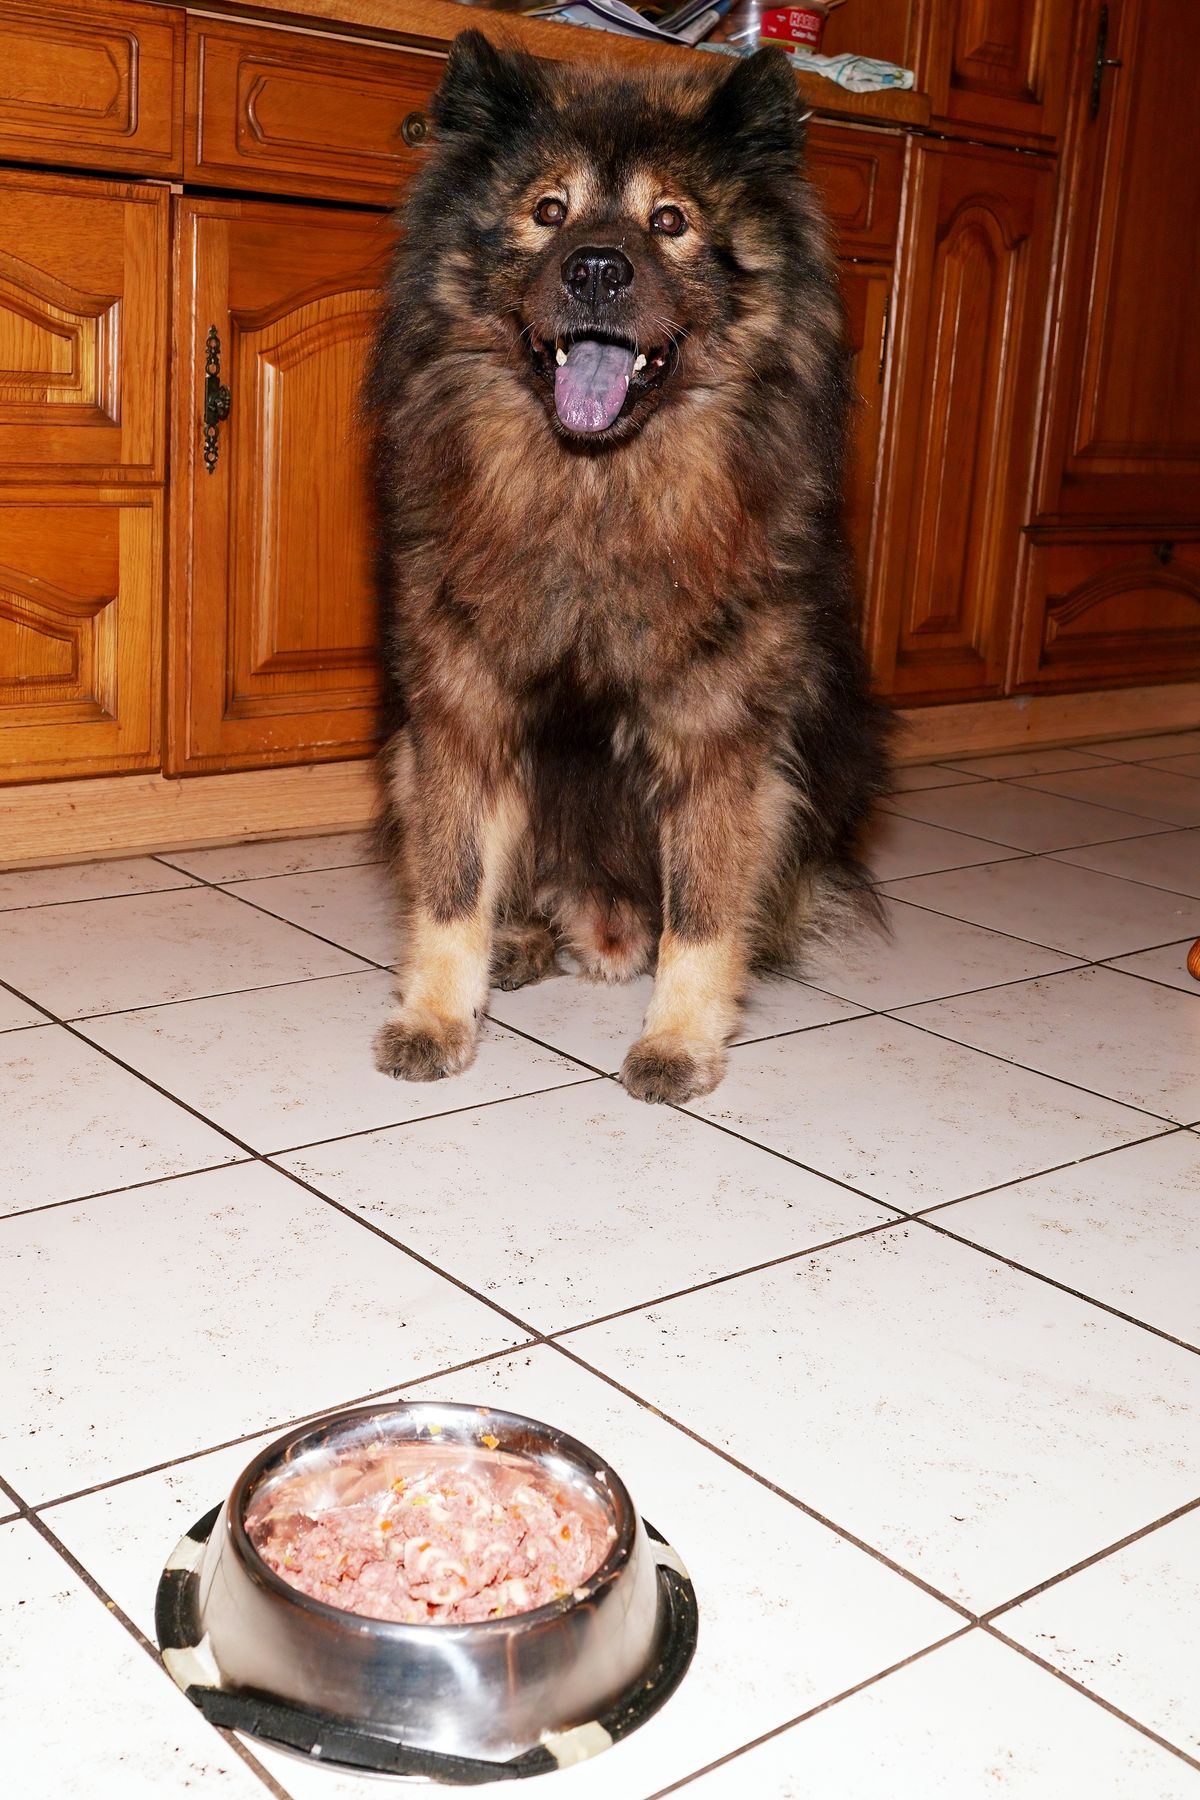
629, 708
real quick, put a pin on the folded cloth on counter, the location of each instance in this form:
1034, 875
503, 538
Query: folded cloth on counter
858, 74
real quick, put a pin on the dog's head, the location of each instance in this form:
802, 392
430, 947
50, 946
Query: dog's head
620, 243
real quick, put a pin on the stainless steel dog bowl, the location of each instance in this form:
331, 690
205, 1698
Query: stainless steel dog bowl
467, 1703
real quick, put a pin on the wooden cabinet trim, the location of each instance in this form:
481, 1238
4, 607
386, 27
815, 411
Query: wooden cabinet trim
92, 83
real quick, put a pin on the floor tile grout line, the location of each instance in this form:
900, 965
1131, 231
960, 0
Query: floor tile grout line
712, 1281
123, 1012
69, 1026
784, 1156
283, 1427
531, 1331
1072, 1162
1155, 887
1033, 943
452, 1112
768, 1037
1088, 1562
1028, 785
1023, 785
1062, 1286
812, 1712
164, 857
765, 1481
319, 937
29, 906
1091, 1694
133, 1630
1013, 1062
48, 1018
127, 1187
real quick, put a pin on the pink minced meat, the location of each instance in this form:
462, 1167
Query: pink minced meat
438, 1547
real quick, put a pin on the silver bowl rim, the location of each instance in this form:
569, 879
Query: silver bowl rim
393, 1630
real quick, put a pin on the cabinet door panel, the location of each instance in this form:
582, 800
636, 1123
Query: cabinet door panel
281, 112
1123, 438
961, 438
859, 176
1110, 610
80, 602
274, 654
83, 328
92, 84
999, 64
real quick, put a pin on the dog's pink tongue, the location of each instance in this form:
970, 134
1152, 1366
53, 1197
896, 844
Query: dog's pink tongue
590, 387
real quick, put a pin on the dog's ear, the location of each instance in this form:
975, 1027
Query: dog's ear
755, 114
486, 93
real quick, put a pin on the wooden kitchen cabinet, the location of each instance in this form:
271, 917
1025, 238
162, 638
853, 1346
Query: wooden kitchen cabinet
271, 616
1110, 591
967, 347
96, 84
990, 67
83, 316
281, 112
83, 328
998, 65
80, 630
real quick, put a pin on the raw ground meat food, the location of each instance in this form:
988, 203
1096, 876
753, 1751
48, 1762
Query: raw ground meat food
437, 1547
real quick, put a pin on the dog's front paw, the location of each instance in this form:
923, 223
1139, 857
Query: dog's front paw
671, 1070
419, 1046
522, 954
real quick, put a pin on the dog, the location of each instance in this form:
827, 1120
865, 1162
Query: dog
628, 710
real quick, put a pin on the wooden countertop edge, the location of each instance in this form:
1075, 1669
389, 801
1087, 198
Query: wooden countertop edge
431, 24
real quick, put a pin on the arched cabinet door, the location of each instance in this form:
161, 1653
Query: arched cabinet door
961, 432
272, 626
1111, 586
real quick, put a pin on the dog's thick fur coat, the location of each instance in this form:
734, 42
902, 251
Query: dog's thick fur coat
629, 711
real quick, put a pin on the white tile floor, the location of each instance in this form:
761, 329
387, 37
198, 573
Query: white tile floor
914, 1297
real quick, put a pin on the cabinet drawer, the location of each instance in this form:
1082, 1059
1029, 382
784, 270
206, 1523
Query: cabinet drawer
80, 604
277, 111
859, 175
92, 84
83, 327
1100, 610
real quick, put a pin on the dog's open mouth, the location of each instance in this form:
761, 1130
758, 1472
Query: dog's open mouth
597, 378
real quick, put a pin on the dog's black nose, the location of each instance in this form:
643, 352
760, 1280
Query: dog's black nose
590, 274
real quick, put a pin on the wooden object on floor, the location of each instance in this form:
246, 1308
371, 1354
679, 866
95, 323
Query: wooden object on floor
1193, 961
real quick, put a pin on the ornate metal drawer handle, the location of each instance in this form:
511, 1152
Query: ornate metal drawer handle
217, 398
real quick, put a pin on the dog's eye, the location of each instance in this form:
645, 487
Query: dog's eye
550, 211
669, 220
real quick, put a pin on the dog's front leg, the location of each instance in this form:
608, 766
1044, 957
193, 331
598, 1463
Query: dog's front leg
721, 823
463, 824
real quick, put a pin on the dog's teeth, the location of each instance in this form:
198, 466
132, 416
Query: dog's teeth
639, 362
560, 356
